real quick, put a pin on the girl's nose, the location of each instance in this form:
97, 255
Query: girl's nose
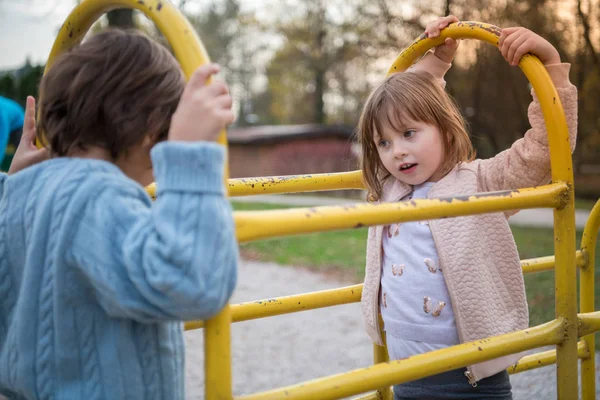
400, 151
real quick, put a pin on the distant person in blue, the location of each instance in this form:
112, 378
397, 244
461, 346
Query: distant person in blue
11, 124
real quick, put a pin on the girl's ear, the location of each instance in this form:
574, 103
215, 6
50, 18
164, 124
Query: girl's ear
148, 142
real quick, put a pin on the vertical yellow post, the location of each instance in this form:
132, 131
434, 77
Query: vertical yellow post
217, 353
564, 227
566, 300
380, 355
586, 276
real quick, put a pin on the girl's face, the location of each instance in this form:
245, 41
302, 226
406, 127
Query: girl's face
413, 154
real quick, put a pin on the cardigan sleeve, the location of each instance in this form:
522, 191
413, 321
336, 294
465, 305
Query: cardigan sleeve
175, 259
527, 162
430, 63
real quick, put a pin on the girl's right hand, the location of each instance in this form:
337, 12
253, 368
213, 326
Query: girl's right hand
27, 153
447, 50
204, 109
516, 42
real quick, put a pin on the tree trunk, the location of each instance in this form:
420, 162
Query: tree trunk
320, 81
121, 18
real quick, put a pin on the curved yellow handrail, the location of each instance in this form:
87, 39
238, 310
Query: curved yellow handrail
535, 71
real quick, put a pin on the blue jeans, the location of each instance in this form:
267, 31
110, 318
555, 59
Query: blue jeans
454, 385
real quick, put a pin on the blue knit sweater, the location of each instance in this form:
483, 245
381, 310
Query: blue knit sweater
95, 279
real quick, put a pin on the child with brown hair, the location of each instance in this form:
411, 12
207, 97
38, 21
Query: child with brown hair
94, 278
443, 282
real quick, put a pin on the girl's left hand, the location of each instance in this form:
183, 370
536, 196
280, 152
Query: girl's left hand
516, 42
27, 153
447, 50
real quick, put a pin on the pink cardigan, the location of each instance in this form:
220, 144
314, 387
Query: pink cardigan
478, 253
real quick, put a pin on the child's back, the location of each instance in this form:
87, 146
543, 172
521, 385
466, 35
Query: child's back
94, 279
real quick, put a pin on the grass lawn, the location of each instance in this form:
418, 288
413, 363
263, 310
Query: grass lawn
584, 204
343, 252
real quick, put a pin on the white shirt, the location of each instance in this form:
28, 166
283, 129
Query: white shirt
415, 303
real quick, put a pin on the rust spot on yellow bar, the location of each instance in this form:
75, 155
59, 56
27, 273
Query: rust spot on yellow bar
564, 196
486, 27
504, 193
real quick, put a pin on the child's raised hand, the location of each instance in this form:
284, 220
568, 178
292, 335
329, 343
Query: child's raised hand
447, 50
204, 109
27, 153
516, 42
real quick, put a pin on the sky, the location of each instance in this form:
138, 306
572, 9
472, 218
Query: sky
28, 29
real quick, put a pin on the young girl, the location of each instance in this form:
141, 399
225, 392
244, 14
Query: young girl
443, 282
94, 278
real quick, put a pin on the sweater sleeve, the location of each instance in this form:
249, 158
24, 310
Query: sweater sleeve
3, 176
527, 162
430, 63
4, 133
175, 259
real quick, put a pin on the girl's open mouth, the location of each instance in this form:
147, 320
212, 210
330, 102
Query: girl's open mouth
407, 168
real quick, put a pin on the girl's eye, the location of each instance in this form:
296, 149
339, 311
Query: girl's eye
409, 133
383, 143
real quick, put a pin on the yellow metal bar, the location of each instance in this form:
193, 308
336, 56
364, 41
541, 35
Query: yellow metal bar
289, 184
565, 276
545, 358
399, 371
253, 225
460, 30
295, 183
587, 298
380, 355
541, 264
562, 171
289, 304
217, 356
564, 223
589, 323
173, 25
327, 298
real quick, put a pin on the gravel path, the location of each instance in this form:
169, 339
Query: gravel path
289, 349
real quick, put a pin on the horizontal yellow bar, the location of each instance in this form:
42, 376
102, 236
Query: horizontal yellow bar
588, 323
543, 359
328, 298
288, 184
289, 304
541, 264
295, 183
387, 374
253, 225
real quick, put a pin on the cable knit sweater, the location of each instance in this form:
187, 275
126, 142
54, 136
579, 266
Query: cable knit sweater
95, 279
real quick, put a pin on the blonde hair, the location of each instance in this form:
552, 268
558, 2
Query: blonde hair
416, 96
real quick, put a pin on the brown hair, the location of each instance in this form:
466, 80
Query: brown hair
111, 91
417, 96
